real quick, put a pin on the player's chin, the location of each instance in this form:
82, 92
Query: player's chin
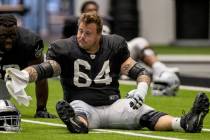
81, 45
8, 47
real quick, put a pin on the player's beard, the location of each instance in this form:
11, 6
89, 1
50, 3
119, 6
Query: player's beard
6, 46
87, 46
82, 45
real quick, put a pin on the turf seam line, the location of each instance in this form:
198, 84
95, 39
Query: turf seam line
181, 87
105, 130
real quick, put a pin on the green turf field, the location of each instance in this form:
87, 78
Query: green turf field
181, 50
173, 105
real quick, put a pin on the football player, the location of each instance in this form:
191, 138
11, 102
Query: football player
89, 65
20, 48
165, 79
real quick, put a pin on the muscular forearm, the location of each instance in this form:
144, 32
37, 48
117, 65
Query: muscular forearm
140, 73
47, 69
32, 73
136, 71
144, 78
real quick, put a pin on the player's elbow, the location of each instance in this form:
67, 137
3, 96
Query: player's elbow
137, 70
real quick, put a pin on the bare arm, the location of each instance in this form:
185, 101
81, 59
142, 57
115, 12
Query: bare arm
126, 67
136, 71
41, 87
49, 65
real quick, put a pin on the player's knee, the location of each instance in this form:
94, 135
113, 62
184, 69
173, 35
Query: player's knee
139, 48
150, 119
147, 51
140, 42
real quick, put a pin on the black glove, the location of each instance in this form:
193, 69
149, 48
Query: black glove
137, 100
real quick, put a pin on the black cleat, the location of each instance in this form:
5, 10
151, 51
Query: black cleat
44, 114
192, 122
67, 115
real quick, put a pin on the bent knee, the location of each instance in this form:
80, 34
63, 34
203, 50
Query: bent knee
150, 119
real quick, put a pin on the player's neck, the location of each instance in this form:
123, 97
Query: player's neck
94, 49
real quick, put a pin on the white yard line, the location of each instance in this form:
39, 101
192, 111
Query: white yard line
106, 131
138, 134
7, 132
203, 89
44, 123
205, 129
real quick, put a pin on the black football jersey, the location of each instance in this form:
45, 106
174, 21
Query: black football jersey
87, 77
27, 47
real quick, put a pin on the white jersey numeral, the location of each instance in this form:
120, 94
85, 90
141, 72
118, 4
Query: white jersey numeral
78, 74
104, 73
103, 76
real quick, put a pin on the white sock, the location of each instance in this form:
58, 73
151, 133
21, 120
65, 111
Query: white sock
176, 125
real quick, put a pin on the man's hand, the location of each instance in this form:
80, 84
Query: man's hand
138, 95
137, 100
16, 82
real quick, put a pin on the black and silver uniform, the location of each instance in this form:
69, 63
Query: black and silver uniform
27, 47
91, 78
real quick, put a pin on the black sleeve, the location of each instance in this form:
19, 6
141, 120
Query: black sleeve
123, 53
56, 51
31, 43
38, 48
51, 52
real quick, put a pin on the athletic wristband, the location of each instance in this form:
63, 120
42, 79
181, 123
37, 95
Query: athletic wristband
142, 88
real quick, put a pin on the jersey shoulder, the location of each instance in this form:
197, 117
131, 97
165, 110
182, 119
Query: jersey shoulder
27, 37
116, 42
118, 46
29, 42
115, 38
61, 46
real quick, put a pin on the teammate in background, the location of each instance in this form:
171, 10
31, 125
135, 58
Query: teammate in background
20, 48
89, 65
165, 80
70, 24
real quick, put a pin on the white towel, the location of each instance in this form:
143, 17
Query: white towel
16, 82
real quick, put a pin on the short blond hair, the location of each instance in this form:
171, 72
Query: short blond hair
91, 17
